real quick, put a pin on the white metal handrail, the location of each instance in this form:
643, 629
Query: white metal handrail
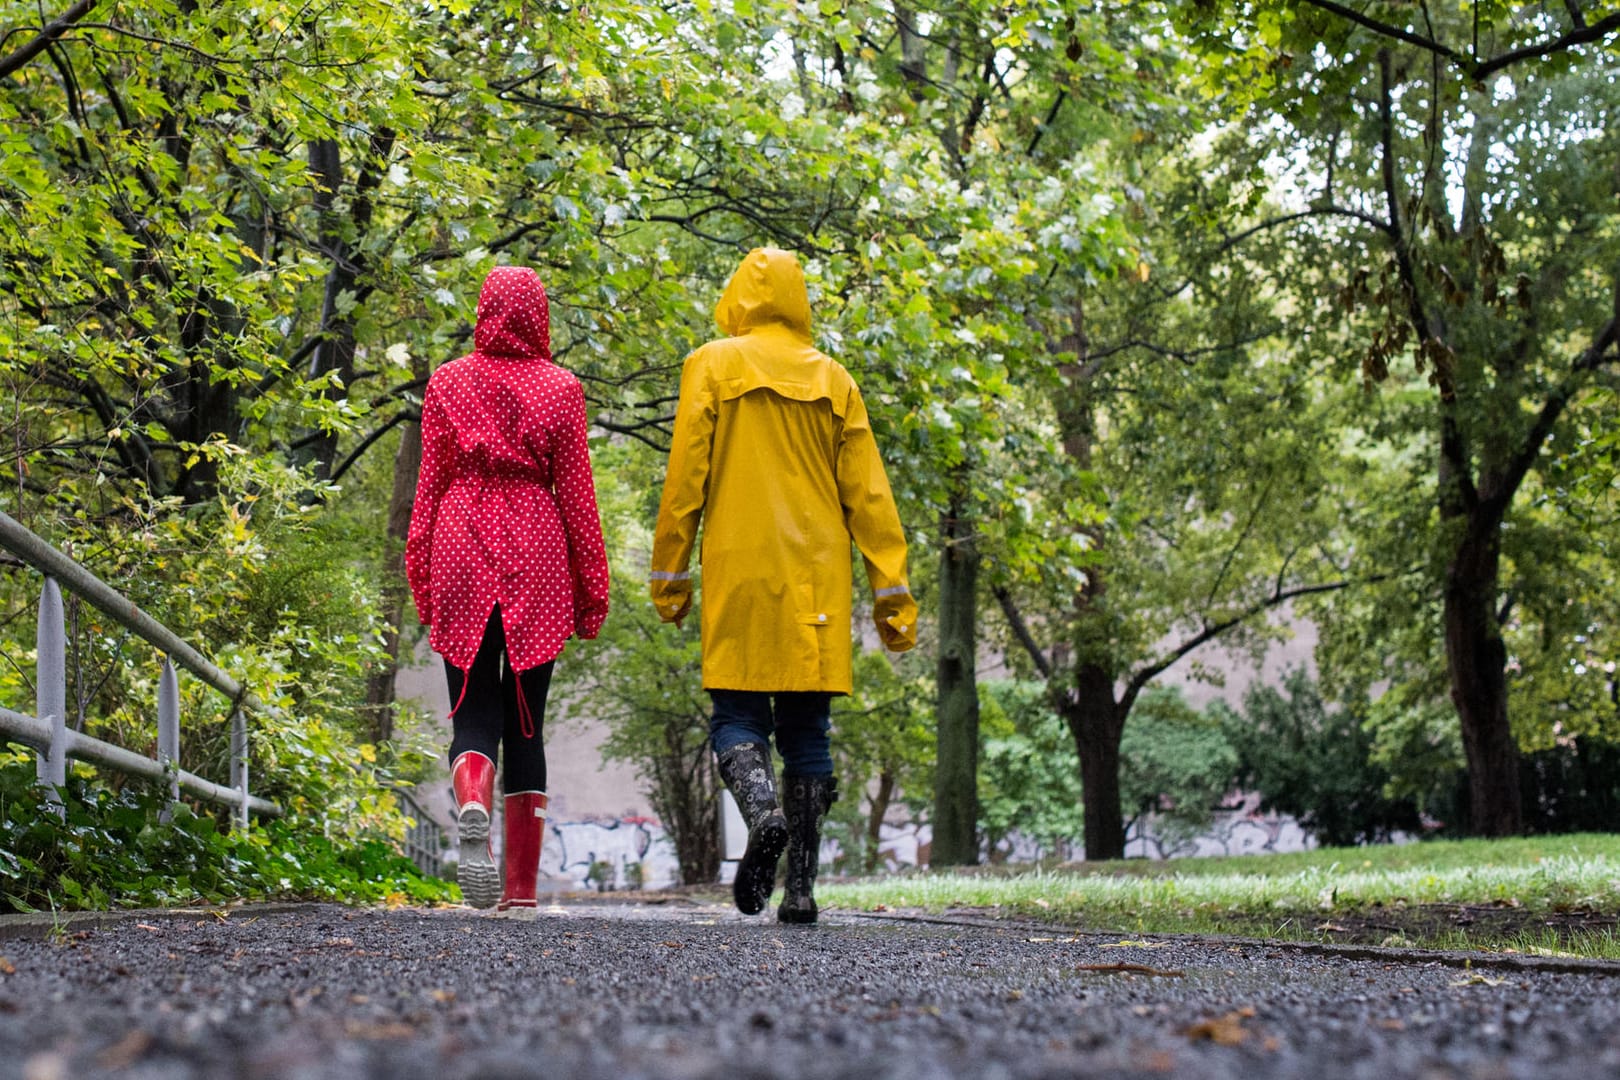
47, 731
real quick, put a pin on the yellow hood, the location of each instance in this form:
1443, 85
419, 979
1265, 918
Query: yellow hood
767, 288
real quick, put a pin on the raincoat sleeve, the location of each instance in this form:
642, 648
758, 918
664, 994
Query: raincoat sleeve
438, 461
874, 523
576, 504
686, 487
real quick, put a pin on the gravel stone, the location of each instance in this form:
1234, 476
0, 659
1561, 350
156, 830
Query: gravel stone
684, 990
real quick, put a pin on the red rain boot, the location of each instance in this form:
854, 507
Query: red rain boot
472, 776
525, 833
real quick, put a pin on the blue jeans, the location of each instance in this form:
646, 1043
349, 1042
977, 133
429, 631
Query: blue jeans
800, 721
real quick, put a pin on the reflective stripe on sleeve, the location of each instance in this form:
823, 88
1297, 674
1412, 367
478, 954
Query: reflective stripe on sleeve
896, 590
669, 575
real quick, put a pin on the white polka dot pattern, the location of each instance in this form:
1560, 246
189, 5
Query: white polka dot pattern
505, 505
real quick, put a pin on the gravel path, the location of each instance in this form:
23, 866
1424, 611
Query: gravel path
683, 990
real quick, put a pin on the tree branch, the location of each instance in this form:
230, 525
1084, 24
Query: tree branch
1579, 36
47, 34
370, 440
1583, 34
1215, 630
1507, 483
1387, 30
1020, 629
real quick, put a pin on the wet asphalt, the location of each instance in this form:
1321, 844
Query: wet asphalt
694, 991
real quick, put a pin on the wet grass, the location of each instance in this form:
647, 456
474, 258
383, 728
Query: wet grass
1545, 895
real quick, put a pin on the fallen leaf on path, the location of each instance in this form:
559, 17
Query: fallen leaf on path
1130, 944
359, 1030
126, 1051
878, 907
1479, 980
1132, 969
147, 927
7, 967
1332, 928
444, 997
1041, 903
1392, 1024
674, 945
1226, 1030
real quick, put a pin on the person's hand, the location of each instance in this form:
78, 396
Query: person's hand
588, 623
675, 609
896, 619
897, 634
672, 599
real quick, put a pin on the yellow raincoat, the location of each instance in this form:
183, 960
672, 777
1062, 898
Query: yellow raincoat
773, 446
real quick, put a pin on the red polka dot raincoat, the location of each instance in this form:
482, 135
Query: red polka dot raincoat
505, 506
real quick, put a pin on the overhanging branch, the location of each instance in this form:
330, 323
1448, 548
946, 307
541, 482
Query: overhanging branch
1020, 629
47, 34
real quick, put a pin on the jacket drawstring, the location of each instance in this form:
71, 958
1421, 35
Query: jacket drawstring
525, 718
466, 681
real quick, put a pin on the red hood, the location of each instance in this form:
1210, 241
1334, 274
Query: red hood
514, 317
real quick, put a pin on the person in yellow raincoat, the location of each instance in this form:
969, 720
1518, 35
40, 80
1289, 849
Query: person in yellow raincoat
773, 451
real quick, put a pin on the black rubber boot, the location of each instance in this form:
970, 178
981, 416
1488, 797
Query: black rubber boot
807, 800
746, 769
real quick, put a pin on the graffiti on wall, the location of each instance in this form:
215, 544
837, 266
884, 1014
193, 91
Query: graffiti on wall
617, 853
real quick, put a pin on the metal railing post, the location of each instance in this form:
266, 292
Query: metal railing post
50, 684
239, 765
168, 742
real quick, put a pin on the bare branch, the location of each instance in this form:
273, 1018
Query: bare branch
1387, 30
1020, 629
370, 440
47, 34
1214, 630
1579, 36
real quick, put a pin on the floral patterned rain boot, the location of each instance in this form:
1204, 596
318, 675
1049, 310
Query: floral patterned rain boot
746, 769
807, 800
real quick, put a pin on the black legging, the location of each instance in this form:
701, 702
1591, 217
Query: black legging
489, 714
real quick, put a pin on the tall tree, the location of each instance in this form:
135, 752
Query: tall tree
1465, 160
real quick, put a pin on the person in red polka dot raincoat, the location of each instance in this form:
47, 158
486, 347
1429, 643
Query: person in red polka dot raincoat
505, 560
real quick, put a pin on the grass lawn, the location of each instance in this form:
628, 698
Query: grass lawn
1550, 895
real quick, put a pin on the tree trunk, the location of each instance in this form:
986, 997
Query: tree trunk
1097, 723
1096, 720
1477, 663
380, 686
686, 797
956, 797
874, 820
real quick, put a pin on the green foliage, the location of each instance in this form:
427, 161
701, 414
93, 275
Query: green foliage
1316, 763
1175, 762
1028, 780
112, 851
641, 680
882, 747
1290, 896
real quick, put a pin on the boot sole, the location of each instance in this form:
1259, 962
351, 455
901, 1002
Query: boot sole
795, 916
476, 873
756, 873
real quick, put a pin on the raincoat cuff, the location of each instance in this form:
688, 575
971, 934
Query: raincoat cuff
589, 622
671, 593
895, 613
